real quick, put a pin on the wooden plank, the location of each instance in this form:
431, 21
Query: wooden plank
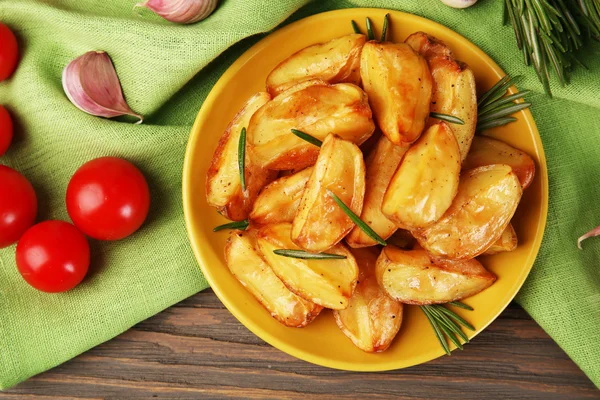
198, 349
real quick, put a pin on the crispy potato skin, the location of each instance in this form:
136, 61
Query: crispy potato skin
454, 91
279, 200
223, 186
250, 269
320, 223
399, 86
381, 164
486, 151
482, 209
335, 61
426, 181
372, 318
314, 107
428, 46
329, 283
507, 242
416, 277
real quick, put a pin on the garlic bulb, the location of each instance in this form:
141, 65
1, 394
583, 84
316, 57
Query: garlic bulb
181, 11
91, 83
459, 3
592, 233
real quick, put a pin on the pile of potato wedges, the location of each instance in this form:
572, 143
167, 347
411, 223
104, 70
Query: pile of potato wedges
439, 195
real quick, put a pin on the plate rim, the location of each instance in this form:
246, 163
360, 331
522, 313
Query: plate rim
273, 340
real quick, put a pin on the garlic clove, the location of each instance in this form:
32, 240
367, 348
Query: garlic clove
459, 3
91, 83
181, 11
592, 233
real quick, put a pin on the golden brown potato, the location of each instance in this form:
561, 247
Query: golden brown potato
426, 181
454, 94
380, 167
314, 107
223, 186
486, 201
335, 61
428, 46
250, 269
329, 283
507, 242
486, 151
320, 223
372, 318
415, 277
279, 200
399, 84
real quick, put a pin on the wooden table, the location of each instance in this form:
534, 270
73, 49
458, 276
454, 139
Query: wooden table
197, 349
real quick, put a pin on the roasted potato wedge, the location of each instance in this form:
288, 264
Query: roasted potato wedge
372, 318
403, 239
482, 209
399, 86
486, 151
320, 223
279, 200
415, 277
381, 164
223, 186
426, 181
454, 94
252, 271
329, 283
335, 61
428, 46
314, 107
507, 242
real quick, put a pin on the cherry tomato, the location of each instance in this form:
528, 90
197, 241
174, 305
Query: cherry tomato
9, 52
53, 256
108, 198
18, 205
6, 130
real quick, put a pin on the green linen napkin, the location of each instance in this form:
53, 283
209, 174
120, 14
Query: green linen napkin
166, 71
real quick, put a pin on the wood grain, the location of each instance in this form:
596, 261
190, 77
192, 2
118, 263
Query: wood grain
198, 349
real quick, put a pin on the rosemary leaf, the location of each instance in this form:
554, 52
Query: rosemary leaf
436, 329
450, 324
355, 27
361, 224
495, 123
457, 318
502, 101
493, 90
309, 138
502, 112
448, 118
304, 255
370, 34
461, 305
241, 225
386, 21
450, 335
242, 158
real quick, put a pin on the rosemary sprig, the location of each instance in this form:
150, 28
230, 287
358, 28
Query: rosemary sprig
370, 34
361, 224
241, 225
242, 158
448, 118
309, 138
305, 255
494, 107
386, 21
445, 324
355, 27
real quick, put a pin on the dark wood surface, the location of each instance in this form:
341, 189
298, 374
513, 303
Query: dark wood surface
197, 349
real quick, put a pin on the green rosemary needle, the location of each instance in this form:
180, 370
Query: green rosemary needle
355, 27
305, 255
448, 118
370, 34
242, 158
495, 106
309, 138
241, 225
461, 305
386, 21
361, 224
446, 324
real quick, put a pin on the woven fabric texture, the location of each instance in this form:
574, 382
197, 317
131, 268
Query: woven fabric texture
166, 71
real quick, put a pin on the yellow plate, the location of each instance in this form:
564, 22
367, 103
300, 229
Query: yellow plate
322, 342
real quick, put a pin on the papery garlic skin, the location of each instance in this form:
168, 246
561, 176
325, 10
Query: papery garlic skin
459, 3
592, 233
181, 11
92, 85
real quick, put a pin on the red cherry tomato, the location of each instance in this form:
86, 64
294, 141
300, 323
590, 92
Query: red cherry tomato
9, 52
6, 130
53, 256
18, 205
108, 198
